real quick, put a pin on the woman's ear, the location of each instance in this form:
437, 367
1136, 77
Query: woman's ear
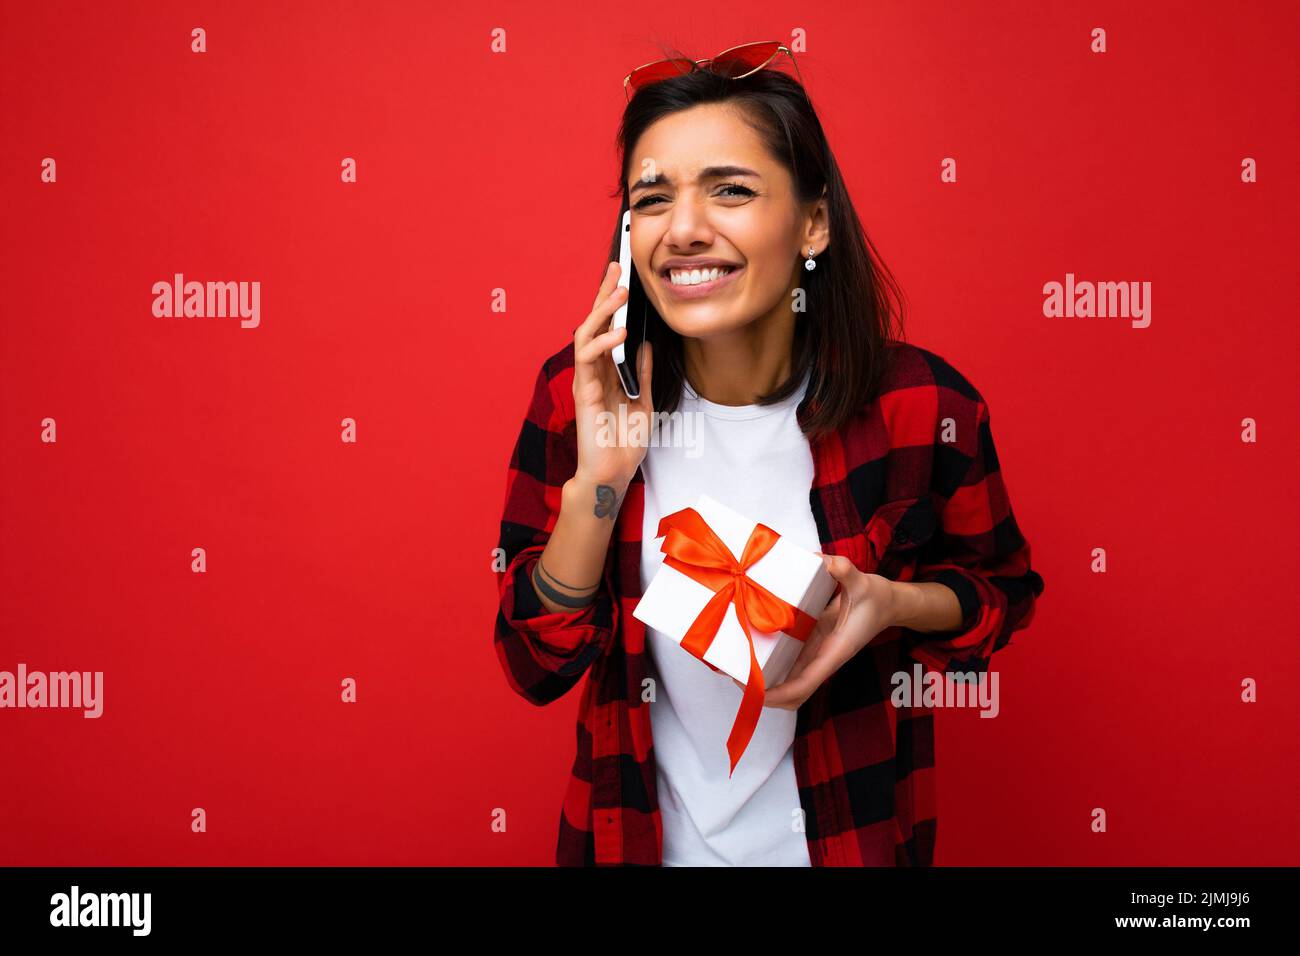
817, 210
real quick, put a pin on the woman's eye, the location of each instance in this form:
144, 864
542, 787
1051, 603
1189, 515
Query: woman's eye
744, 192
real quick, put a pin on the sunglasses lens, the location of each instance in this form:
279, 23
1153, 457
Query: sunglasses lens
744, 59
662, 70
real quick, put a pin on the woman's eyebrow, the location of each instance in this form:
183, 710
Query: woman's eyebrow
709, 172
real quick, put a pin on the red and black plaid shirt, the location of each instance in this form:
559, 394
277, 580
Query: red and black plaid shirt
889, 493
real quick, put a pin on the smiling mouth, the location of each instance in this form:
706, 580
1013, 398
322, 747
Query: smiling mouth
688, 290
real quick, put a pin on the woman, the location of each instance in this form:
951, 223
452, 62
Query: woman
813, 419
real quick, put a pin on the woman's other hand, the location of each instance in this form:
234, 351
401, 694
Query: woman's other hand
863, 606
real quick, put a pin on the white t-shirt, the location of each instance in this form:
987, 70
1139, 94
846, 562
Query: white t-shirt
754, 459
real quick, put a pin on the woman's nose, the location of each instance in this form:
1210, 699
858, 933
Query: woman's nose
689, 226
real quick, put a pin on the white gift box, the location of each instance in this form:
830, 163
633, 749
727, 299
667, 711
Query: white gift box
674, 600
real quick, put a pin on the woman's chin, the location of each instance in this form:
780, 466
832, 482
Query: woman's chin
702, 324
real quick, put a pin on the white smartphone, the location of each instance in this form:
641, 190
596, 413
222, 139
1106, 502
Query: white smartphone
624, 353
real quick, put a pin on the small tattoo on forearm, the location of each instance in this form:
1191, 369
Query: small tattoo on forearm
607, 501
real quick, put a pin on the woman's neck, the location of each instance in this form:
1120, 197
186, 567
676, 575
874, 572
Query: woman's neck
736, 367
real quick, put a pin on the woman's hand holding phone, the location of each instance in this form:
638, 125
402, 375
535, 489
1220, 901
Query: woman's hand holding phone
568, 575
607, 455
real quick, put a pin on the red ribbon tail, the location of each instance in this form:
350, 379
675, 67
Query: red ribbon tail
751, 708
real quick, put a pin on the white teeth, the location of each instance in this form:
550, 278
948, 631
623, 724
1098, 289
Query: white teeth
696, 276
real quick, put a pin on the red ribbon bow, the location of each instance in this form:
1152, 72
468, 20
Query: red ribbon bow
691, 547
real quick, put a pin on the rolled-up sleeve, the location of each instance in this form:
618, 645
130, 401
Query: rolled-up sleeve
979, 553
543, 653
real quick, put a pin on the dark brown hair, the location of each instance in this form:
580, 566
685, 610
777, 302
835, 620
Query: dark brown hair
854, 306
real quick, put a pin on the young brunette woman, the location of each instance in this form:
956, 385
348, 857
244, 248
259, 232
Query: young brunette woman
817, 420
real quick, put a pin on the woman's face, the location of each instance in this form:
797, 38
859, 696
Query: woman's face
718, 195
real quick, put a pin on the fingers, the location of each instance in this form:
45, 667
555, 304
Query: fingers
606, 284
842, 570
607, 301
797, 688
601, 343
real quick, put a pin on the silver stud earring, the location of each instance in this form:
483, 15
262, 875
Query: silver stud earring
811, 264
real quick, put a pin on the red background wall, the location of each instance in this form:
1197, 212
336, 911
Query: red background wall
372, 560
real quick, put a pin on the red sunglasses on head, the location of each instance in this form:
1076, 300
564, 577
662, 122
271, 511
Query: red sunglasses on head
734, 63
